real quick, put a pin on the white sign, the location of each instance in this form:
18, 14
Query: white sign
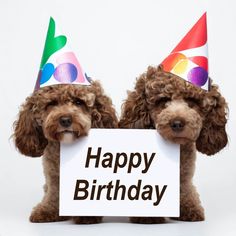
119, 172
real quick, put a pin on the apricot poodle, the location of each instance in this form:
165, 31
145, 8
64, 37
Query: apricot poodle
54, 114
183, 114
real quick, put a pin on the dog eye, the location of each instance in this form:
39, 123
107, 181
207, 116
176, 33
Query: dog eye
78, 102
192, 101
51, 104
163, 100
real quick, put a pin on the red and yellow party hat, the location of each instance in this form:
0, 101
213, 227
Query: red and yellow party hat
189, 59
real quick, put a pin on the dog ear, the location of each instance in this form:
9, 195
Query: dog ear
28, 135
134, 110
103, 113
213, 136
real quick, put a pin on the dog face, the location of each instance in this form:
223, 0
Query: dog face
65, 119
180, 111
61, 113
177, 120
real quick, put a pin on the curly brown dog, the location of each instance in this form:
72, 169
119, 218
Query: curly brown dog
54, 114
183, 114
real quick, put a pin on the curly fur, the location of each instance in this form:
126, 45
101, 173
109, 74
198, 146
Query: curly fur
159, 99
38, 132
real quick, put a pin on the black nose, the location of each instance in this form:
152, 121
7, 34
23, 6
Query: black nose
65, 121
177, 125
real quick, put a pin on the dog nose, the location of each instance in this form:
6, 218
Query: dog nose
65, 121
177, 125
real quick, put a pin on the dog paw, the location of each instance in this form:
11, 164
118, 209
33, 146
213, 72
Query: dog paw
147, 220
87, 219
41, 216
191, 215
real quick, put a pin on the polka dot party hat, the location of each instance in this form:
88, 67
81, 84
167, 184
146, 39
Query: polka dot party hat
189, 59
59, 65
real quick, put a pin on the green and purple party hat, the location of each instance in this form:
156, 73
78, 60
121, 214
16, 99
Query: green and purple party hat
59, 64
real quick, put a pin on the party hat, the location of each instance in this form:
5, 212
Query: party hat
189, 59
59, 65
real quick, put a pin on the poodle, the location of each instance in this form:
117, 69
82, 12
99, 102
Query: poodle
54, 114
184, 114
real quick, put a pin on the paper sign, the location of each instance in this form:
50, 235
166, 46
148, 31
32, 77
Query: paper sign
119, 172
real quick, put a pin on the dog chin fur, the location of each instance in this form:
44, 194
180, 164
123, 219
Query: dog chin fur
67, 138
